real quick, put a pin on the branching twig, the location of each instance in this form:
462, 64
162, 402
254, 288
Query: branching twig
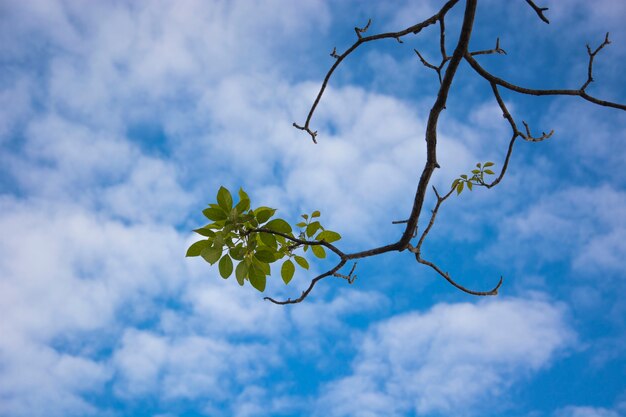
496, 50
394, 35
537, 92
529, 137
538, 10
359, 31
592, 55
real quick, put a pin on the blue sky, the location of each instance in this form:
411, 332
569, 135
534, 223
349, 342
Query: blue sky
119, 120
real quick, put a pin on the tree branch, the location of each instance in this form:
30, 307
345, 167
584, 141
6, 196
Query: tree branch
361, 40
539, 11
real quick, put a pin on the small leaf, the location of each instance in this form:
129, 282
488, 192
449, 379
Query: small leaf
279, 225
225, 266
287, 271
464, 176
488, 171
196, 248
318, 251
257, 278
454, 183
265, 255
302, 262
488, 164
469, 185
328, 236
305, 216
241, 272
478, 165
211, 254
237, 253
204, 231
316, 213
301, 224
312, 228
214, 214
243, 195
242, 206
225, 199
263, 214
306, 248
268, 239
475, 171
459, 188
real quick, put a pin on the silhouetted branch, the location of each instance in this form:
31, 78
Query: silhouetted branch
539, 10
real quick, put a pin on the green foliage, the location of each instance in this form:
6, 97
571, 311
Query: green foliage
255, 239
477, 177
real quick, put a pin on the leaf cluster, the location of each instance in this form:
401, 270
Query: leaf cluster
255, 239
477, 177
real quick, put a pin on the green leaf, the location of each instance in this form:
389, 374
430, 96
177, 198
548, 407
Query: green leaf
475, 171
301, 224
488, 164
214, 214
262, 266
241, 272
243, 195
312, 228
305, 216
257, 278
268, 239
464, 176
224, 199
287, 271
211, 254
204, 231
225, 266
318, 251
196, 248
302, 262
488, 171
478, 165
237, 253
328, 236
279, 225
469, 185
242, 206
459, 188
263, 214
316, 213
454, 183
265, 255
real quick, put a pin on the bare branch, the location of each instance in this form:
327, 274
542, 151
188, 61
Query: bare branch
529, 137
306, 292
393, 35
496, 50
539, 11
359, 31
592, 55
417, 251
537, 92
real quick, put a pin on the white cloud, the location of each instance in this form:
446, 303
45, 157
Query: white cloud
577, 411
580, 225
453, 359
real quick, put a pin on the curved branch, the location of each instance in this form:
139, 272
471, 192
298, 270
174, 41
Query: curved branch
361, 40
537, 92
306, 292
